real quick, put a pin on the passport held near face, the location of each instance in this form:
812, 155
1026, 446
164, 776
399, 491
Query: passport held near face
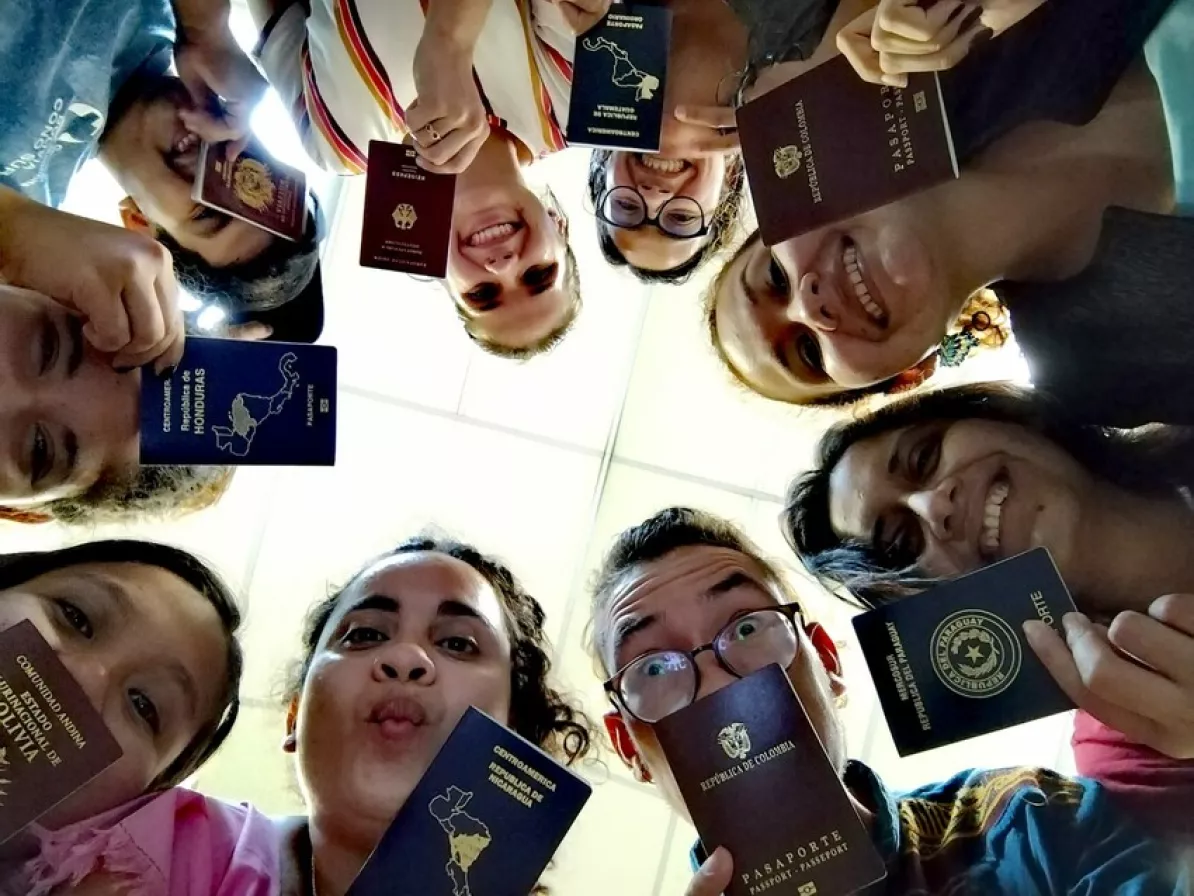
242, 403
485, 819
254, 187
953, 663
757, 781
827, 146
52, 741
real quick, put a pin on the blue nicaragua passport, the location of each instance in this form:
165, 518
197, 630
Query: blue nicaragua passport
239, 403
52, 740
827, 146
408, 213
757, 781
618, 79
484, 820
953, 663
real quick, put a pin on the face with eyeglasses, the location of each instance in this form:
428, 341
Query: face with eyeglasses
507, 263
722, 605
952, 496
657, 208
66, 417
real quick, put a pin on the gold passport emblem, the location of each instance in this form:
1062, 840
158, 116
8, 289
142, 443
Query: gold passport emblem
786, 160
405, 216
975, 653
4, 782
468, 836
735, 740
809, 889
253, 184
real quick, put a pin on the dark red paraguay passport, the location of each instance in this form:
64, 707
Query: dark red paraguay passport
827, 146
757, 781
52, 741
254, 187
408, 213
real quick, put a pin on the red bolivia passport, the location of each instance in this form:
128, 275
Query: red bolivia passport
408, 213
52, 741
254, 187
827, 146
756, 780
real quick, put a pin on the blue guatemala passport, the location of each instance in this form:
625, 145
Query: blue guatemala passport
953, 663
232, 402
484, 820
618, 79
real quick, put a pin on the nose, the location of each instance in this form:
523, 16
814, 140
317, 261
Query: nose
714, 676
655, 195
404, 662
499, 262
938, 507
93, 673
813, 305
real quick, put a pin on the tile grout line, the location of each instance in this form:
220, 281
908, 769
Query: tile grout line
250, 569
742, 491
661, 871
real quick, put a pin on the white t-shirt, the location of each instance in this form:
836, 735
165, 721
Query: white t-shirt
345, 70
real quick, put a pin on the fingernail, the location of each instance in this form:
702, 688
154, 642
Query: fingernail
167, 372
981, 36
1074, 624
971, 17
1034, 631
895, 80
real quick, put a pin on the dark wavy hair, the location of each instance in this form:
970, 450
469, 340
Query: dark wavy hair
723, 223
538, 712
17, 569
148, 493
1153, 460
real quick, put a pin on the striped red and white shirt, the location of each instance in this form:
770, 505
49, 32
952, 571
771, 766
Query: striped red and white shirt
345, 71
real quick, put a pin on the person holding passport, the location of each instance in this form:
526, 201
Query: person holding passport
481, 88
676, 613
939, 485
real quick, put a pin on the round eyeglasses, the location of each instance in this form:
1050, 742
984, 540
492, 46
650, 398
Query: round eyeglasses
661, 682
681, 217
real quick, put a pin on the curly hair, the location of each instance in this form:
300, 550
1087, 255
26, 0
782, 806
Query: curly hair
538, 711
723, 224
150, 492
984, 316
1151, 460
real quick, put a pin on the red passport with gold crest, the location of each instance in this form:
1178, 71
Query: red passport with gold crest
52, 741
254, 187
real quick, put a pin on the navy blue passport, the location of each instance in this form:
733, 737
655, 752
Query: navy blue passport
953, 663
618, 79
235, 402
484, 820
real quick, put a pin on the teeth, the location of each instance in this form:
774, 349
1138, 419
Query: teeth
185, 143
993, 516
666, 166
854, 272
491, 234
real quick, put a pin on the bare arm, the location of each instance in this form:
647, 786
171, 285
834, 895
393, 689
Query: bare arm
198, 17
457, 22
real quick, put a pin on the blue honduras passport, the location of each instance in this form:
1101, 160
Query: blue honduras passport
953, 663
618, 78
235, 402
484, 820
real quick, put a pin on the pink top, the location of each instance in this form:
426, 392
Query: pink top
1158, 790
179, 843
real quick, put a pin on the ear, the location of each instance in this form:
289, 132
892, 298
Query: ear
290, 741
133, 218
826, 649
619, 737
560, 221
913, 376
25, 515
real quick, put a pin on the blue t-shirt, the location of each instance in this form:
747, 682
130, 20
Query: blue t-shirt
61, 64
1170, 55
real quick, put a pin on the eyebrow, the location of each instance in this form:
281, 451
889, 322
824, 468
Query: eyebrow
451, 609
632, 625
111, 589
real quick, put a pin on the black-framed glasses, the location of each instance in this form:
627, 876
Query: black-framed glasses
661, 682
681, 217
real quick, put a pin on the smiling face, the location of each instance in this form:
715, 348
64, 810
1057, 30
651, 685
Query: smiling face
660, 179
840, 308
409, 647
507, 264
953, 497
682, 601
150, 653
66, 417
154, 158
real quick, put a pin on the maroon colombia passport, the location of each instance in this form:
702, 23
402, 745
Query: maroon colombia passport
52, 741
827, 146
254, 187
408, 213
757, 781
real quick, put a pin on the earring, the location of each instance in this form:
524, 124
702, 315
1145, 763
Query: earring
956, 347
289, 743
639, 770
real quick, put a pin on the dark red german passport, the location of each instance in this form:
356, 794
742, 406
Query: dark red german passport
254, 187
757, 781
408, 213
827, 146
52, 741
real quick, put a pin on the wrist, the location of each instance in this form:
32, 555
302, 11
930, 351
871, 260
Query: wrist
448, 36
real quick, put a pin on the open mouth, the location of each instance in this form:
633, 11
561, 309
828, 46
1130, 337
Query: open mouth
494, 233
991, 533
661, 165
183, 157
857, 285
